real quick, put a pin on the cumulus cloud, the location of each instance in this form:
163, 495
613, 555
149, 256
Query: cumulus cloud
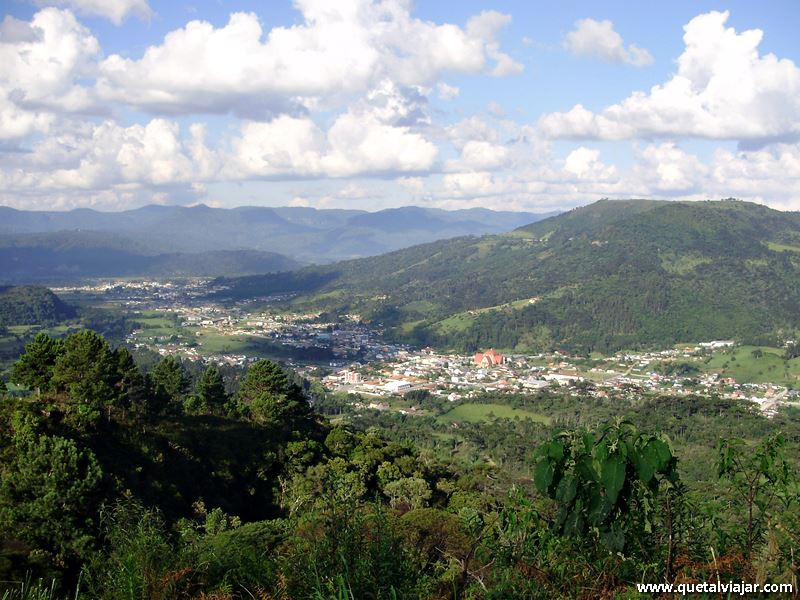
598, 39
340, 49
479, 155
376, 135
107, 156
447, 92
723, 89
584, 163
667, 169
40, 62
115, 11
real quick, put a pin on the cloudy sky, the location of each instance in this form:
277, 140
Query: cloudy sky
114, 104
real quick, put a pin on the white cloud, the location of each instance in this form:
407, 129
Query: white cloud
447, 92
723, 90
114, 10
106, 156
770, 175
479, 155
39, 66
364, 140
412, 184
666, 169
599, 40
496, 109
584, 163
485, 26
472, 185
340, 49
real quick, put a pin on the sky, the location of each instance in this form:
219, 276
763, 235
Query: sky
508, 105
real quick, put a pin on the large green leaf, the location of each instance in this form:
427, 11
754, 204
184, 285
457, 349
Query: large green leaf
543, 475
574, 523
613, 476
584, 468
555, 450
599, 507
614, 539
566, 490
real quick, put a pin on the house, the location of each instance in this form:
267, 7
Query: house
352, 377
489, 358
397, 386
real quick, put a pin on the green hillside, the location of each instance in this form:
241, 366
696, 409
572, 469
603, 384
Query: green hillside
32, 305
615, 274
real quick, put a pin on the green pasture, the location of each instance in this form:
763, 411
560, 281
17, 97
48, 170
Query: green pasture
745, 367
475, 413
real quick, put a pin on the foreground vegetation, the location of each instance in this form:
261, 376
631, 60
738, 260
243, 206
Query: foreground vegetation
121, 484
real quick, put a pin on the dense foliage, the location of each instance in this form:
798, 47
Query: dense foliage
32, 305
122, 484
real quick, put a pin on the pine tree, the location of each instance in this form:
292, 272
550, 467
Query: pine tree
210, 395
34, 369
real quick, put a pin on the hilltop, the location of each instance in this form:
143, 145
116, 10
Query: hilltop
32, 305
614, 274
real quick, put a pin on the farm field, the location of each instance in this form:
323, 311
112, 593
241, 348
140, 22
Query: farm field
747, 365
475, 413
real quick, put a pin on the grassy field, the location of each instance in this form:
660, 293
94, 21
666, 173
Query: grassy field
782, 247
475, 413
212, 342
740, 364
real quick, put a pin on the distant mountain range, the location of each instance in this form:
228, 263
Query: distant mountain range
611, 275
199, 240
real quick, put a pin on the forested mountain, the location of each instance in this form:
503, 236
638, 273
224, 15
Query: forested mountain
304, 234
611, 275
68, 255
32, 305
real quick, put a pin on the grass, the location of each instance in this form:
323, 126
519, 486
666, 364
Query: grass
681, 265
212, 342
475, 413
740, 364
776, 247
463, 320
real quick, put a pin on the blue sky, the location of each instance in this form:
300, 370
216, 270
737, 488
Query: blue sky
508, 105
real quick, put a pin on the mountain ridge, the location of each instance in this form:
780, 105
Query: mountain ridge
611, 275
304, 234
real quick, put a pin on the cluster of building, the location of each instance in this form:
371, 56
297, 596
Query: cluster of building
458, 377
362, 362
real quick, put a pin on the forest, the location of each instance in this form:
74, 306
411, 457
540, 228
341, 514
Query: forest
124, 482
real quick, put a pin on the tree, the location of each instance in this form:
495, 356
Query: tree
209, 395
129, 382
411, 492
606, 483
48, 496
263, 376
169, 384
272, 398
34, 369
757, 477
85, 370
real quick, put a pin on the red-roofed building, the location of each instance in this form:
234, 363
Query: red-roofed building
489, 358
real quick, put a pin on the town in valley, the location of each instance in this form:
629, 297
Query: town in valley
348, 356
